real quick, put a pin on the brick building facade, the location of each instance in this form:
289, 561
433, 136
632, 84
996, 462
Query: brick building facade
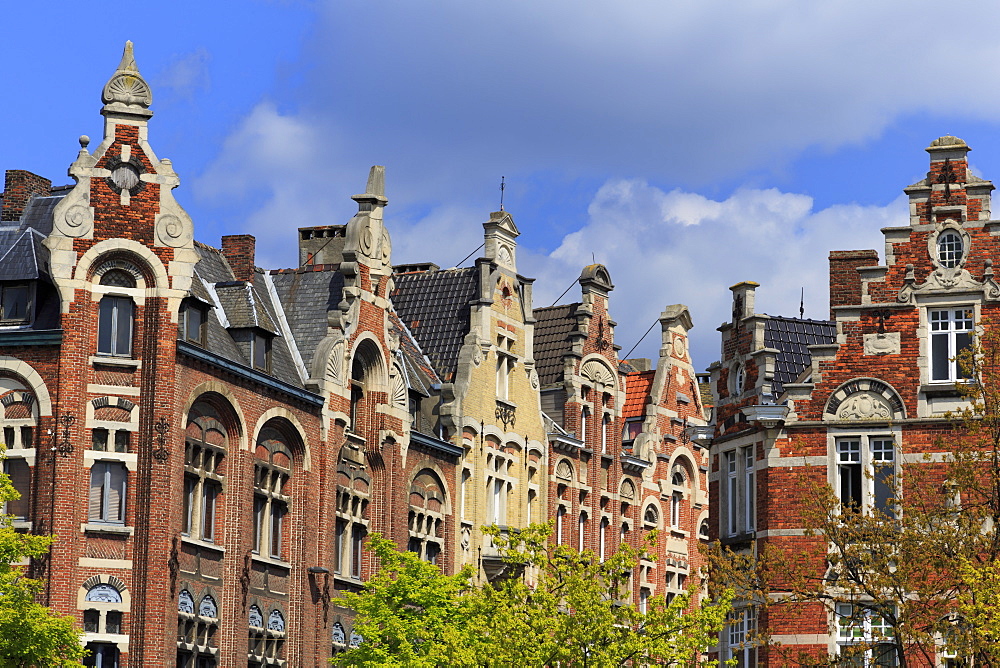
212, 442
845, 400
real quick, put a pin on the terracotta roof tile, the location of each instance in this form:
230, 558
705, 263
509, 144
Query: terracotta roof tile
637, 387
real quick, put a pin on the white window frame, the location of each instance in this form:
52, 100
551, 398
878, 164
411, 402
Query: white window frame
732, 493
869, 632
946, 326
111, 321
865, 454
749, 488
738, 641
101, 476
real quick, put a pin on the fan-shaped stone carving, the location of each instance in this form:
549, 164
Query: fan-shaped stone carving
398, 388
596, 372
564, 471
335, 365
628, 490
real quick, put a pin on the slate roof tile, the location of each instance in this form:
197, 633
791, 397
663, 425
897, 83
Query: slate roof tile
790, 337
434, 305
553, 325
307, 295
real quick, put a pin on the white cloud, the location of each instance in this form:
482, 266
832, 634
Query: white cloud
678, 247
185, 75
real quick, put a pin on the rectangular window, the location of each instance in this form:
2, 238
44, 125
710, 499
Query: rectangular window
107, 492
20, 477
190, 485
261, 351
357, 549
433, 550
99, 440
748, 488
210, 493
114, 326
27, 437
732, 493
338, 545
675, 509
850, 473
8, 437
194, 323
860, 636
259, 518
740, 637
277, 518
866, 472
14, 302
122, 440
951, 333
884, 475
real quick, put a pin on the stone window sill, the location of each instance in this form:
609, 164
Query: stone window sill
205, 544
271, 561
117, 529
116, 361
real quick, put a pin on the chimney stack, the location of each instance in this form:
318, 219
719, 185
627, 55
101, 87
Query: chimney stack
238, 250
845, 281
20, 187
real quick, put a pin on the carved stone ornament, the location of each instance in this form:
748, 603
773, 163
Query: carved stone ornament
504, 257
78, 220
596, 373
335, 365
679, 347
399, 394
882, 344
172, 231
865, 399
533, 379
477, 356
126, 85
466, 538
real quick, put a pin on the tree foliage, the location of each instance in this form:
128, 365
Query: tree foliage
30, 634
928, 569
567, 608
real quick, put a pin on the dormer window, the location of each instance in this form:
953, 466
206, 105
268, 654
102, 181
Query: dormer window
260, 351
193, 318
950, 249
15, 301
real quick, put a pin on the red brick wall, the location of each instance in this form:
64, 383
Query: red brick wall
19, 187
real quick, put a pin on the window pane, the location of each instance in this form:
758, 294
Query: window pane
99, 439
27, 437
123, 327
339, 545
91, 621
97, 497
8, 437
433, 550
208, 511
116, 492
189, 490
122, 439
193, 317
277, 515
105, 326
15, 302
259, 506
962, 341
357, 549
113, 622
20, 477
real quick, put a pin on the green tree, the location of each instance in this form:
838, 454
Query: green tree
30, 634
567, 608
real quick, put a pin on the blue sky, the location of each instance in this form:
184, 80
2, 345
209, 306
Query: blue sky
687, 145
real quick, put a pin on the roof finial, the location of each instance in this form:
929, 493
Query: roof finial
802, 304
503, 186
127, 88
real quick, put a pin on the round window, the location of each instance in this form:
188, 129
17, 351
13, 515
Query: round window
950, 249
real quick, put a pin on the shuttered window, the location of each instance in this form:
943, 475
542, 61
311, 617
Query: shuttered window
107, 492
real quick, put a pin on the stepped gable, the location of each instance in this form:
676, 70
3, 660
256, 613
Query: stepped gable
637, 387
308, 295
791, 337
553, 325
434, 305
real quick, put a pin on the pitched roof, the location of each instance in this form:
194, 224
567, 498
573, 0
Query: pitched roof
22, 255
420, 375
790, 337
308, 295
637, 387
553, 325
434, 305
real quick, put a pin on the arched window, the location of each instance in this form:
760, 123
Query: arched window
581, 532
367, 374
267, 643
676, 499
197, 645
427, 517
651, 517
103, 606
205, 444
18, 418
272, 471
560, 514
605, 426
351, 528
116, 314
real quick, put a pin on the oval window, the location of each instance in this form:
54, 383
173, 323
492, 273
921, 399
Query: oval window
950, 249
